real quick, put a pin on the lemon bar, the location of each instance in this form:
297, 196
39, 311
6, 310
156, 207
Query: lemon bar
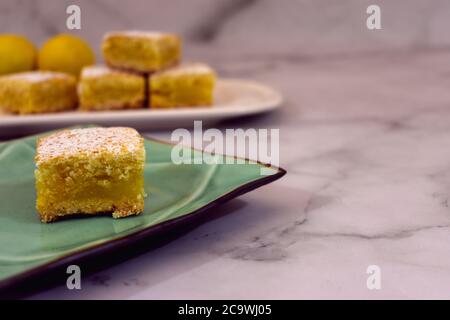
37, 92
90, 171
102, 88
185, 85
141, 51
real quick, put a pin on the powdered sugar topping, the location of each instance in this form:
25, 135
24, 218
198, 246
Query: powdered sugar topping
37, 76
100, 70
95, 71
89, 142
137, 33
188, 68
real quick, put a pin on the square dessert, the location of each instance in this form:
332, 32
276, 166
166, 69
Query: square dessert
37, 92
90, 171
184, 85
102, 88
141, 51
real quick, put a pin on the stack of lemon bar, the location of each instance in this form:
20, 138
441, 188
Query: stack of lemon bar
143, 70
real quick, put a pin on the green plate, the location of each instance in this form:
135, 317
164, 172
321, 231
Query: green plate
177, 194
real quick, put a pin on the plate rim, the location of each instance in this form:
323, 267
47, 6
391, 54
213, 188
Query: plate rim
109, 246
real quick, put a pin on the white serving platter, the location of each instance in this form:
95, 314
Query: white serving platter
233, 98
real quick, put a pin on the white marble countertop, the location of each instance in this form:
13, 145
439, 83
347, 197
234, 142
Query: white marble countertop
364, 136
365, 142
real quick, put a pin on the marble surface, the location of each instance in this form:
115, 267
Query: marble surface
290, 27
364, 141
364, 136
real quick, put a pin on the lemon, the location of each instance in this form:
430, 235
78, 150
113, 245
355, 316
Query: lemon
65, 53
17, 54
